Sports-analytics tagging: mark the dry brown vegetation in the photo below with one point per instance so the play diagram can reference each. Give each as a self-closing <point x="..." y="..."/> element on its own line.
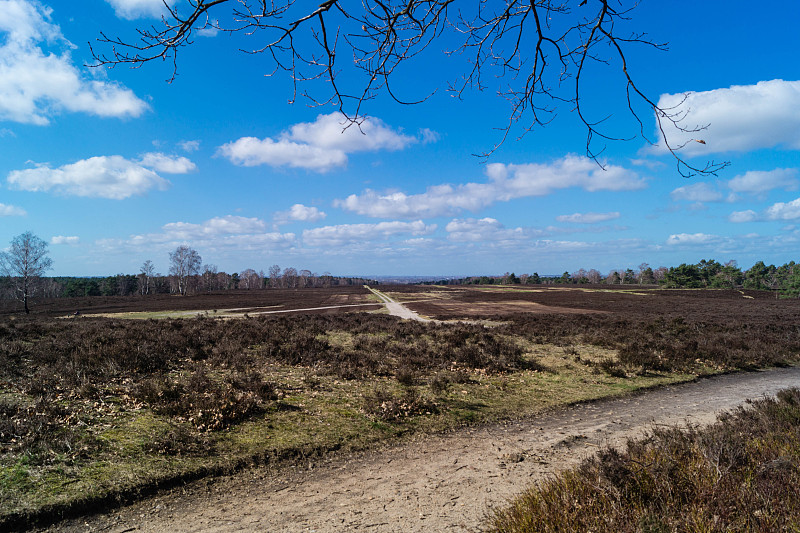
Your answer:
<point x="741" y="474"/>
<point x="96" y="409"/>
<point x="242" y="300"/>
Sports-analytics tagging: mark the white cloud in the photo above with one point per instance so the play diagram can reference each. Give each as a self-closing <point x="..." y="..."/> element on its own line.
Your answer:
<point x="329" y="236"/>
<point x="487" y="230"/>
<point x="250" y="152"/>
<point x="740" y="118"/>
<point x="692" y="239"/>
<point x="506" y="182"/>
<point x="698" y="192"/>
<point x="35" y="85"/>
<point x="320" y="146"/>
<point x="212" y="228"/>
<point x="208" y="31"/>
<point x="228" y="232"/>
<point x="588" y="218"/>
<point x="11" y="211"/>
<point x="784" y="211"/>
<point x="429" y="136"/>
<point x="189" y="146"/>
<point x="333" y="132"/>
<point x="167" y="163"/>
<point x="743" y="216"/>
<point x="111" y="177"/>
<point x="299" y="213"/>
<point x="133" y="9"/>
<point x="60" y="239"/>
<point x="759" y="181"/>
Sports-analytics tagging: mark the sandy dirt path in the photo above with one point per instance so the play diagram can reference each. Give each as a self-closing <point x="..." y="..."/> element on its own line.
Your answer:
<point x="435" y="483"/>
<point x="395" y="308"/>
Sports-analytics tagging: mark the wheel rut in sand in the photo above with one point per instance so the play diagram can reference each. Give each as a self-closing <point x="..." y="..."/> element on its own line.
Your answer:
<point x="435" y="483"/>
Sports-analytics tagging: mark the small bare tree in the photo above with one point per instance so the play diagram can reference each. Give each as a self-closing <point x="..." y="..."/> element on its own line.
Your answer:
<point x="24" y="263"/>
<point x="184" y="264"/>
<point x="542" y="52"/>
<point x="146" y="273"/>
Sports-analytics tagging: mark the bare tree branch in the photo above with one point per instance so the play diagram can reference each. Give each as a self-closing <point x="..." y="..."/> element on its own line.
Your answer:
<point x="540" y="51"/>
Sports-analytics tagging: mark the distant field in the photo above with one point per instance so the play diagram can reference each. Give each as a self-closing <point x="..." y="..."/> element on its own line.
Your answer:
<point x="448" y="302"/>
<point x="241" y="301"/>
<point x="96" y="409"/>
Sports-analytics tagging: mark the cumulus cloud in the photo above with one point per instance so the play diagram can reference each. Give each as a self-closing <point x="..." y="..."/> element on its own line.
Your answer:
<point x="759" y="181"/>
<point x="166" y="163"/>
<point x="319" y="146"/>
<point x="740" y="118"/>
<point x="698" y="192"/>
<point x="692" y="239"/>
<point x="505" y="182"/>
<point x="329" y="236"/>
<point x="227" y="225"/>
<point x="743" y="216"/>
<point x="218" y="233"/>
<point x="11" y="211"/>
<point x="133" y="9"/>
<point x="250" y="152"/>
<point x="784" y="211"/>
<point x="35" y="85"/>
<point x="60" y="239"/>
<point x="299" y="213"/>
<point x="487" y="230"/>
<point x="588" y="218"/>
<point x="111" y="177"/>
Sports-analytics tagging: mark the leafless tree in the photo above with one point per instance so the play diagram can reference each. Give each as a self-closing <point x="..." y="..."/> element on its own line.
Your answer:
<point x="24" y="263"/>
<point x="145" y="277"/>
<point x="289" y="278"/>
<point x="249" y="279"/>
<point x="274" y="274"/>
<point x="209" y="278"/>
<point x="543" y="54"/>
<point x="184" y="264"/>
<point x="594" y="276"/>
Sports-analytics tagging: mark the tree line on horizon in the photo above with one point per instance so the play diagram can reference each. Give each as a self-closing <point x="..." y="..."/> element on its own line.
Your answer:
<point x="22" y="278"/>
<point x="24" y="264"/>
<point x="706" y="274"/>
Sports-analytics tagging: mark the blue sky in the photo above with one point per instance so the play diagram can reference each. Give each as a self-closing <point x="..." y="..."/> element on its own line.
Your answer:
<point x="116" y="166"/>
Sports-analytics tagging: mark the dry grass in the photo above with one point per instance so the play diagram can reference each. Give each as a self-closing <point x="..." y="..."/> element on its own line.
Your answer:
<point x="97" y="410"/>
<point x="741" y="474"/>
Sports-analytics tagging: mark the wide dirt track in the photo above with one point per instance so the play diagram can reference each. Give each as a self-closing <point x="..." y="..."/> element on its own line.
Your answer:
<point x="436" y="483"/>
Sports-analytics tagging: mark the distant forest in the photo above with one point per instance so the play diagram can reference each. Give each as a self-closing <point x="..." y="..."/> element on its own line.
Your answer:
<point x="707" y="274"/>
<point x="208" y="281"/>
<point x="784" y="280"/>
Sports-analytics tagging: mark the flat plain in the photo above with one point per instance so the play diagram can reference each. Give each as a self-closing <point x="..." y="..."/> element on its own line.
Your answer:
<point x="98" y="409"/>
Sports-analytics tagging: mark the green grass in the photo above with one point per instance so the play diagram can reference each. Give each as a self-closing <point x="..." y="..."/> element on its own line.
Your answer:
<point x="135" y="448"/>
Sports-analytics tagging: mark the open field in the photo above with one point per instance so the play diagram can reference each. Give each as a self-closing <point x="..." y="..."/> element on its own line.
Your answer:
<point x="96" y="410"/>
<point x="238" y="301"/>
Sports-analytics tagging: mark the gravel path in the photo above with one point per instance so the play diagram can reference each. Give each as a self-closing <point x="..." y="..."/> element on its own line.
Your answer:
<point x="436" y="483"/>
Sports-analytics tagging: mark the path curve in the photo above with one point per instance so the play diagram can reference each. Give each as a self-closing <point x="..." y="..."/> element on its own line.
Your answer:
<point x="436" y="483"/>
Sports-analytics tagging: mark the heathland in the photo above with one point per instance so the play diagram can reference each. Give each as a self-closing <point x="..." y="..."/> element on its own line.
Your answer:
<point x="97" y="408"/>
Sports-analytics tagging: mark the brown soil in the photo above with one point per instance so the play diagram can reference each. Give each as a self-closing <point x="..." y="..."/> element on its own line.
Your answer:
<point x="436" y="483"/>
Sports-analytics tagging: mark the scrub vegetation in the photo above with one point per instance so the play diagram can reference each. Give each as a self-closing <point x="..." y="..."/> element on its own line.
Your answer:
<point x="97" y="410"/>
<point x="740" y="474"/>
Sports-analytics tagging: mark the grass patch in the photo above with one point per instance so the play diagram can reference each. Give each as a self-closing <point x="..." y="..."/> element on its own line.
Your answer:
<point x="209" y="396"/>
